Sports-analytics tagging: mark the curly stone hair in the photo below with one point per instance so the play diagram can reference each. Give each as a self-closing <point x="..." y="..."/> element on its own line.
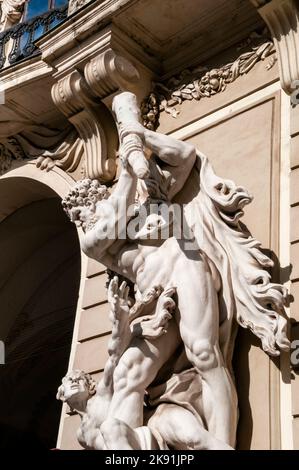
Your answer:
<point x="84" y="194"/>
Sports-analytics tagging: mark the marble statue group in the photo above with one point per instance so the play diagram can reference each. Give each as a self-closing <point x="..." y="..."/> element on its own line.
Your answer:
<point x="186" y="273"/>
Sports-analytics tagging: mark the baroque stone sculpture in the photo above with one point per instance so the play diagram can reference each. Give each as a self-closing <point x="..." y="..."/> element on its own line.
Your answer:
<point x="171" y="227"/>
<point x="11" y="13"/>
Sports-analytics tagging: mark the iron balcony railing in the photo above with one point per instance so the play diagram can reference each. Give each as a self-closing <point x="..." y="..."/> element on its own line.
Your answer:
<point x="18" y="42"/>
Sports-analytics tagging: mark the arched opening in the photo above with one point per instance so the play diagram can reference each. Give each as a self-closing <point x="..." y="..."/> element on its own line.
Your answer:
<point x="39" y="286"/>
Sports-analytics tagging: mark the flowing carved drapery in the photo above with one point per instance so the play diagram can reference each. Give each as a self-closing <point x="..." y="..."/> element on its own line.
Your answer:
<point x="10" y="151"/>
<point x="50" y="147"/>
<point x="91" y="139"/>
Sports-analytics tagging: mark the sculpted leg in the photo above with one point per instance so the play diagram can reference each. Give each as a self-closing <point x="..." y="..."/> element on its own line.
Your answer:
<point x="218" y="391"/>
<point x="199" y="326"/>
<point x="137" y="368"/>
<point x="181" y="430"/>
<point x="118" y="435"/>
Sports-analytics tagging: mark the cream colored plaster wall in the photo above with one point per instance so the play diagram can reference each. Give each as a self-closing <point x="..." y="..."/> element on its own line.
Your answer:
<point x="294" y="239"/>
<point x="240" y="131"/>
<point x="241" y="140"/>
<point x="90" y="342"/>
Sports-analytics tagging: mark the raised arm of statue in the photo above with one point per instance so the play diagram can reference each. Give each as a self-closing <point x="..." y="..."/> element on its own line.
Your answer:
<point x="173" y="154"/>
<point x="111" y="213"/>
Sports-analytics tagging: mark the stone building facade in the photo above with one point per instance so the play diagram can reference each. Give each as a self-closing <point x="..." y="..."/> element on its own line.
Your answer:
<point x="222" y="75"/>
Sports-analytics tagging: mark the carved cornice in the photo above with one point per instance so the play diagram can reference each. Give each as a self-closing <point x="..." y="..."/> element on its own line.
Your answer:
<point x="199" y="83"/>
<point x="73" y="97"/>
<point x="282" y="19"/>
<point x="78" y="97"/>
<point x="109" y="72"/>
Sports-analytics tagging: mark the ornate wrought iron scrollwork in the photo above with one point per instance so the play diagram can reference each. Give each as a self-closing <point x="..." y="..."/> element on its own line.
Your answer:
<point x="24" y="35"/>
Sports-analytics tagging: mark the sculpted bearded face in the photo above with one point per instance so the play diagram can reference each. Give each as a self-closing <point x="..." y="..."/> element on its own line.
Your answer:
<point x="77" y="387"/>
<point x="80" y="202"/>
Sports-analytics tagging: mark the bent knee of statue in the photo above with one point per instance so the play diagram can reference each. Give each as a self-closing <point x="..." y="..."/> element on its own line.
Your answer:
<point x="202" y="354"/>
<point x="110" y="430"/>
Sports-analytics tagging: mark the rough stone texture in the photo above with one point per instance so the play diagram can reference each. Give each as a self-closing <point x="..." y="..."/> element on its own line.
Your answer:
<point x="75" y="5"/>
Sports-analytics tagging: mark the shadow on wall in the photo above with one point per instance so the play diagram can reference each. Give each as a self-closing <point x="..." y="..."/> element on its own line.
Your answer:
<point x="245" y="341"/>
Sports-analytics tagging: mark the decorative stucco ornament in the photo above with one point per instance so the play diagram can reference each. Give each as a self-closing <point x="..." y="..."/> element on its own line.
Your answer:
<point x="62" y="148"/>
<point x="75" y="5"/>
<point x="198" y="273"/>
<point x="11" y="12"/>
<point x="200" y="83"/>
<point x="10" y="151"/>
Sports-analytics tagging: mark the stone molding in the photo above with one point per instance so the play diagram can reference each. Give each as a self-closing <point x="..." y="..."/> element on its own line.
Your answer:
<point x="200" y="83"/>
<point x="109" y="72"/>
<point x="282" y="19"/>
<point x="79" y="97"/>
